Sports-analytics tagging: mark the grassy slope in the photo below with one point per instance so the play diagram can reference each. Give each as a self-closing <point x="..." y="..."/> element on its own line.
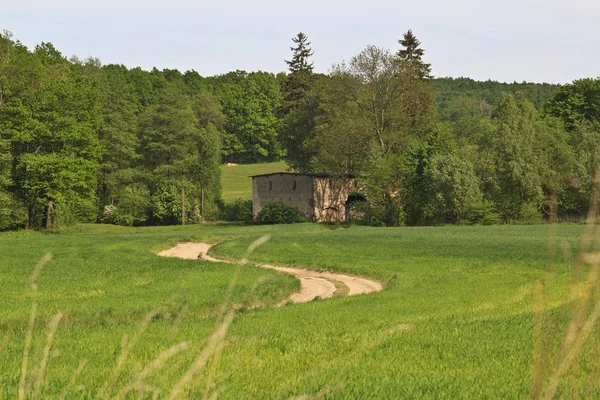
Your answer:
<point x="235" y="182"/>
<point x="455" y="319"/>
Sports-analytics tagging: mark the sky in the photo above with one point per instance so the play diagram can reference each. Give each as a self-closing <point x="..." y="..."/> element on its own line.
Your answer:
<point x="554" y="41"/>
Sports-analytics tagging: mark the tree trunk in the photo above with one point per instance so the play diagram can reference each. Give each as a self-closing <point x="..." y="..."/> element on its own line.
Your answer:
<point x="49" y="214"/>
<point x="202" y="204"/>
<point x="182" y="203"/>
<point x="30" y="215"/>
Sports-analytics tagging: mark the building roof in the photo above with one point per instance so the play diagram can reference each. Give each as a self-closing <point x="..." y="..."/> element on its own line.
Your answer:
<point x="313" y="175"/>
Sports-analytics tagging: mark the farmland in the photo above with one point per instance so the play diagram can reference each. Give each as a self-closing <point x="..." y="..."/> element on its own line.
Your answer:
<point x="461" y="314"/>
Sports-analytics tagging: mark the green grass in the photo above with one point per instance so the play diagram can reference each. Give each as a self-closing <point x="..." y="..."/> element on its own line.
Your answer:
<point x="455" y="319"/>
<point x="235" y="181"/>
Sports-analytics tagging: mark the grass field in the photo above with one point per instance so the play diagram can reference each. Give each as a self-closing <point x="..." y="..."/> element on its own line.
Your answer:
<point x="457" y="318"/>
<point x="235" y="181"/>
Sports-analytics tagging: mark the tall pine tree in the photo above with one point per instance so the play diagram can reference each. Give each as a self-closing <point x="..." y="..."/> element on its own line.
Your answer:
<point x="298" y="109"/>
<point x="299" y="80"/>
<point x="412" y="54"/>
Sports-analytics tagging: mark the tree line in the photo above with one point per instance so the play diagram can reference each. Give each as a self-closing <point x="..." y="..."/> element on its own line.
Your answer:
<point x="433" y="151"/>
<point x="82" y="141"/>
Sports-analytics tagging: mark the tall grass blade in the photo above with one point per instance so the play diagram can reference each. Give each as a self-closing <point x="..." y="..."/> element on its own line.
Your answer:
<point x="128" y="345"/>
<point x="52" y="327"/>
<point x="73" y="379"/>
<point x="226" y="313"/>
<point x="29" y="334"/>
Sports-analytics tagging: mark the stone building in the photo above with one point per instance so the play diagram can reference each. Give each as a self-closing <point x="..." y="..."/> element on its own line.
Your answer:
<point x="320" y="197"/>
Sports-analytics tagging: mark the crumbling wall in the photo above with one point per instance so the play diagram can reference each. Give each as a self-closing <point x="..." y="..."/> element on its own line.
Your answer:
<point x="293" y="190"/>
<point x="330" y="196"/>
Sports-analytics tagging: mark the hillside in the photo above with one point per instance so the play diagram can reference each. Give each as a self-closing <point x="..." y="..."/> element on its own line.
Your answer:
<point x="235" y="181"/>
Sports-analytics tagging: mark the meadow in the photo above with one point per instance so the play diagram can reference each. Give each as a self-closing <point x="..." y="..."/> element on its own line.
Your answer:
<point x="466" y="312"/>
<point x="235" y="181"/>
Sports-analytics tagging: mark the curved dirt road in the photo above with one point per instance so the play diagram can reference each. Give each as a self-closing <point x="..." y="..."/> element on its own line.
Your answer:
<point x="313" y="284"/>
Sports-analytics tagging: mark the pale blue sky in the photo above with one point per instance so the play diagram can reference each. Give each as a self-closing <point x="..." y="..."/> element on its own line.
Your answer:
<point x="534" y="40"/>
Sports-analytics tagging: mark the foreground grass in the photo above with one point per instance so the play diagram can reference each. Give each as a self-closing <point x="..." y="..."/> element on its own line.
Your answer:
<point x="235" y="181"/>
<point x="456" y="318"/>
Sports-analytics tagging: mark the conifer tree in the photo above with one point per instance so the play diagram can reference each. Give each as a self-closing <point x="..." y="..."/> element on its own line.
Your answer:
<point x="298" y="81"/>
<point x="297" y="109"/>
<point x="413" y="55"/>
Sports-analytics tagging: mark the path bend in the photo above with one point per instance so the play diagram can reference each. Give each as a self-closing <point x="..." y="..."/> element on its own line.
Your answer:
<point x="313" y="284"/>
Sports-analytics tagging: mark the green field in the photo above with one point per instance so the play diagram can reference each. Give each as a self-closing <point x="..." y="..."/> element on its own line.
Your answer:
<point x="235" y="181"/>
<point x="455" y="320"/>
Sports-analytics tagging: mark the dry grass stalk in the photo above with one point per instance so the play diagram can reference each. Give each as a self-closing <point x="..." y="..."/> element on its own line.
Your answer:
<point x="582" y="320"/>
<point x="4" y="343"/>
<point x="573" y="353"/>
<point x="200" y="361"/>
<point x="179" y="318"/>
<point x="540" y="355"/>
<point x="74" y="377"/>
<point x="210" y="380"/>
<point x="127" y="346"/>
<point x="37" y="270"/>
<point x="39" y="382"/>
<point x="154" y="365"/>
<point x="25" y="358"/>
<point x="29" y="334"/>
<point x="216" y="340"/>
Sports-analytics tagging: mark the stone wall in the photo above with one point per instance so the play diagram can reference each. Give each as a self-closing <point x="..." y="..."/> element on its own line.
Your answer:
<point x="330" y="196"/>
<point x="291" y="189"/>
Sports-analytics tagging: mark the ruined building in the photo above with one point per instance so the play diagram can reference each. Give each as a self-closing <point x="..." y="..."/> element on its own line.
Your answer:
<point x="320" y="197"/>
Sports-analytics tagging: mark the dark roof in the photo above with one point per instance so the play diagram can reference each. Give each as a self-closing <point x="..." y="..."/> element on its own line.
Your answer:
<point x="314" y="175"/>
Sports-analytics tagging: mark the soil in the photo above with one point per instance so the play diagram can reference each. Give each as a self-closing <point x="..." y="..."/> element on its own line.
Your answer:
<point x="313" y="284"/>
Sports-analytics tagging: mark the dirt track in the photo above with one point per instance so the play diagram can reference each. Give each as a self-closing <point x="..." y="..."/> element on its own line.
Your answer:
<point x="313" y="284"/>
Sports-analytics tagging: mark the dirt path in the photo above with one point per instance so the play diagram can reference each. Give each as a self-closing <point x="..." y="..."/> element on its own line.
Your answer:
<point x="313" y="284"/>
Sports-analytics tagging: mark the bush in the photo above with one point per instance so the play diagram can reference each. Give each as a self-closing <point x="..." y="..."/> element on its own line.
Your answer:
<point x="280" y="213"/>
<point x="238" y="210"/>
<point x="132" y="208"/>
<point x="530" y="213"/>
<point x="166" y="206"/>
<point x="382" y="211"/>
<point x="483" y="213"/>
<point x="12" y="214"/>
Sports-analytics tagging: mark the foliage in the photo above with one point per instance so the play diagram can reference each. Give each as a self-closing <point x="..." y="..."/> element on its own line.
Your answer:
<point x="12" y="215"/>
<point x="166" y="205"/>
<point x="375" y="109"/>
<point x="133" y="208"/>
<point x="483" y="213"/>
<point x="300" y="78"/>
<point x="577" y="102"/>
<point x="487" y="94"/>
<point x="51" y="123"/>
<point x="412" y="54"/>
<point x="249" y="102"/>
<point x="77" y="136"/>
<point x="300" y="106"/>
<point x="456" y="186"/>
<point x="238" y="210"/>
<point x="280" y="213"/>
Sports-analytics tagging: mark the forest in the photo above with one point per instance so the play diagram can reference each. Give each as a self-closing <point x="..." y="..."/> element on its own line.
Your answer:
<point x="85" y="142"/>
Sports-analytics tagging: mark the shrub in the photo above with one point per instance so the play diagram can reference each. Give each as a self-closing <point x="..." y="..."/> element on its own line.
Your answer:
<point x="12" y="214"/>
<point x="530" y="213"/>
<point x="483" y="213"/>
<point x="378" y="211"/>
<point x="236" y="210"/>
<point x="166" y="206"/>
<point x="280" y="213"/>
<point x="132" y="208"/>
